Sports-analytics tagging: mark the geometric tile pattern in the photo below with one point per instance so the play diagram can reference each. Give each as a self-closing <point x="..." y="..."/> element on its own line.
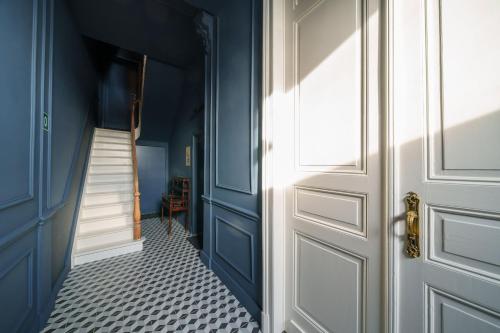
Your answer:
<point x="164" y="288"/>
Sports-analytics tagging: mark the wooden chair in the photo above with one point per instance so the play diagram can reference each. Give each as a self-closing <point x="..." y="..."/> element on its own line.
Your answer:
<point x="177" y="201"/>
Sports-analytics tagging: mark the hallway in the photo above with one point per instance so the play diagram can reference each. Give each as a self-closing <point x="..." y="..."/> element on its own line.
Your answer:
<point x="164" y="288"/>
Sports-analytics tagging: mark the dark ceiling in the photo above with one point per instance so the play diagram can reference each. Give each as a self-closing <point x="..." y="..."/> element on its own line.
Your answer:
<point x="162" y="29"/>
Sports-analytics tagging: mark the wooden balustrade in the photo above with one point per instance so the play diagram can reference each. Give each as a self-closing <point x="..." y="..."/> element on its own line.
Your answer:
<point x="137" y="194"/>
<point x="136" y="109"/>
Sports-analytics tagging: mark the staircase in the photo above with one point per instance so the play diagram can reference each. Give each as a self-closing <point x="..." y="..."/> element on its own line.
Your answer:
<point x="105" y="222"/>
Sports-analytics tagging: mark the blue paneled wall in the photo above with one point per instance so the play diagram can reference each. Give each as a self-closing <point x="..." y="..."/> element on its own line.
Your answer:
<point x="232" y="220"/>
<point x="45" y="68"/>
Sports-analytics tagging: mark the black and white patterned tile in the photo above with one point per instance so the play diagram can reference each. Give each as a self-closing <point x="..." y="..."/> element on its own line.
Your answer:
<point x="164" y="288"/>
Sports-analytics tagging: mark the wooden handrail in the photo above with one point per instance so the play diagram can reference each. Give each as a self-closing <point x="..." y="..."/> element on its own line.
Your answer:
<point x="140" y="90"/>
<point x="137" y="194"/>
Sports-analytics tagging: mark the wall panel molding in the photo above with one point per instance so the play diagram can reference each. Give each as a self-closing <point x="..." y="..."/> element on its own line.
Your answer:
<point x="253" y="115"/>
<point x="17" y="276"/>
<point x="249" y="215"/>
<point x="29" y="191"/>
<point x="219" y="251"/>
<point x="232" y="197"/>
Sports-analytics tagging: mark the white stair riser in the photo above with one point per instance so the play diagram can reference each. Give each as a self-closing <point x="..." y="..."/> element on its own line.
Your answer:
<point x="105" y="238"/>
<point x="110" y="169"/>
<point x="102" y="225"/>
<point x="105" y="188"/>
<point x="110" y="139"/>
<point x="117" y="146"/>
<point x="111" y="153"/>
<point x="108" y="198"/>
<point x="97" y="160"/>
<point x="100" y="211"/>
<point x="110" y="133"/>
<point x="124" y="178"/>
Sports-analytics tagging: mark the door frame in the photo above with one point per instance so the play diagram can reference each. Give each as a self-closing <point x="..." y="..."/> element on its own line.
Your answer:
<point x="273" y="198"/>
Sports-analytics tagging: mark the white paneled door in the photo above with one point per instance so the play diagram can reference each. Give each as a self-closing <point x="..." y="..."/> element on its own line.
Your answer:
<point x="334" y="260"/>
<point x="447" y="139"/>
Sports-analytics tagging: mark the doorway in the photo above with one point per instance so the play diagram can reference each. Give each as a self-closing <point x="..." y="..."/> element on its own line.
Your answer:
<point x="197" y="177"/>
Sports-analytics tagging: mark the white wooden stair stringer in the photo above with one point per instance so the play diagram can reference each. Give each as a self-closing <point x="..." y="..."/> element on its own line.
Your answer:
<point x="105" y="222"/>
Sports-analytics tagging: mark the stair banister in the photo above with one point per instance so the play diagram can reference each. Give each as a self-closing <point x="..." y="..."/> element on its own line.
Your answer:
<point x="137" y="194"/>
<point x="142" y="78"/>
<point x="135" y="132"/>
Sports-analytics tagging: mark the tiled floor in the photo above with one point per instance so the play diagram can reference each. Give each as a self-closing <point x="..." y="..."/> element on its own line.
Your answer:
<point x="164" y="288"/>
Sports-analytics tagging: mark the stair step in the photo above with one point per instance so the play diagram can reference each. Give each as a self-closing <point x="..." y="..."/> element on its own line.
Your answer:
<point x="108" y="161"/>
<point x="112" y="139"/>
<point x="101" y="132"/>
<point x="108" y="251"/>
<point x="111" y="153"/>
<point x="109" y="187"/>
<point x="107" y="198"/>
<point x="95" y="240"/>
<point x="110" y="169"/>
<point x="103" y="224"/>
<point x="114" y="146"/>
<point x="109" y="178"/>
<point x="96" y="211"/>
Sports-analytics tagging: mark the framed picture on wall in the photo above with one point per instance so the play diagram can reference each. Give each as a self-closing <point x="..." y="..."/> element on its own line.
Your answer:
<point x="188" y="155"/>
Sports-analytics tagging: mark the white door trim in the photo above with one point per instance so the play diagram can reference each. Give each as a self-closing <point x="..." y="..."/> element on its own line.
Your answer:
<point x="266" y="176"/>
<point x="390" y="182"/>
<point x="273" y="236"/>
<point x="273" y="214"/>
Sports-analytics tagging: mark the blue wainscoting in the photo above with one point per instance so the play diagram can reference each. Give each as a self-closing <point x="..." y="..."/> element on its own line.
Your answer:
<point x="45" y="69"/>
<point x="232" y="222"/>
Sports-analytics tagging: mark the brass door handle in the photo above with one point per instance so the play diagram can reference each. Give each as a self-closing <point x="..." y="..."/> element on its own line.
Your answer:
<point x="412" y="225"/>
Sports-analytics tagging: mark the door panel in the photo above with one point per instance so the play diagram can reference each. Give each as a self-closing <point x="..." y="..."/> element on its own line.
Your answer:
<point x="328" y="44"/>
<point x="333" y="192"/>
<point x="341" y="272"/>
<point x="462" y="61"/>
<point x="446" y="127"/>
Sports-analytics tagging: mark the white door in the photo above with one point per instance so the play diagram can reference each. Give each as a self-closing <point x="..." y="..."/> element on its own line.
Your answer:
<point x="447" y="137"/>
<point x="333" y="265"/>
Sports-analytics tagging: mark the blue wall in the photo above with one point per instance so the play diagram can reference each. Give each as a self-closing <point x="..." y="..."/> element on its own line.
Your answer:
<point x="188" y="121"/>
<point x="232" y="223"/>
<point x="163" y="91"/>
<point x="152" y="160"/>
<point x="117" y="86"/>
<point x="45" y="67"/>
<point x="163" y="30"/>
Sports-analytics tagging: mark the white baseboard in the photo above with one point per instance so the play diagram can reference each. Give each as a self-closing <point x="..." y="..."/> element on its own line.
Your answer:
<point x="112" y="251"/>
<point x="264" y="323"/>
